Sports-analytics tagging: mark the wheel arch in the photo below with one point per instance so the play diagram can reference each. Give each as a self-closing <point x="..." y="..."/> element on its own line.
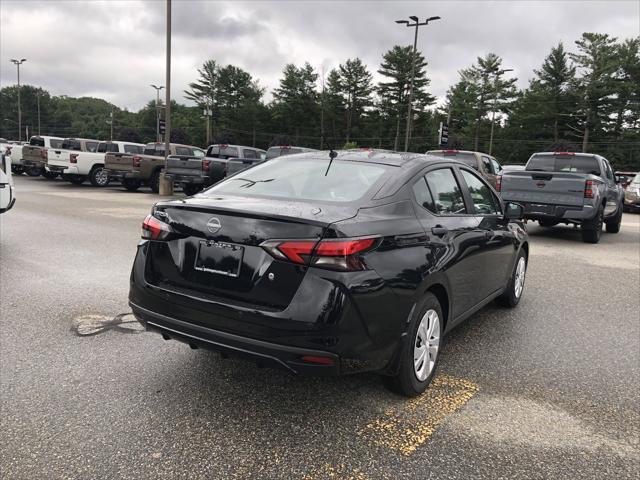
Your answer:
<point x="441" y="293"/>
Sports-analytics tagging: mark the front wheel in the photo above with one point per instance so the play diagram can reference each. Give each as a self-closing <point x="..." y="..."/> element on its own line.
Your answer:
<point x="17" y="169"/>
<point x="419" y="356"/>
<point x="154" y="181"/>
<point x="76" y="179"/>
<point x="99" y="177"/>
<point x="131" y="184"/>
<point x="49" y="175"/>
<point x="34" y="171"/>
<point x="512" y="294"/>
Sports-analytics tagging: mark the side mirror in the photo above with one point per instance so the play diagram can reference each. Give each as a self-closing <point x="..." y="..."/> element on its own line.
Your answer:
<point x="513" y="211"/>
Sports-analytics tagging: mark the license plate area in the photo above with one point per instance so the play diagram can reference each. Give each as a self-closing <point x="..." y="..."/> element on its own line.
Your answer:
<point x="540" y="208"/>
<point x="219" y="258"/>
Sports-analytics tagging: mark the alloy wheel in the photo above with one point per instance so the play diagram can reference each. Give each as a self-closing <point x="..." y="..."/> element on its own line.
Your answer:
<point x="518" y="281"/>
<point x="426" y="345"/>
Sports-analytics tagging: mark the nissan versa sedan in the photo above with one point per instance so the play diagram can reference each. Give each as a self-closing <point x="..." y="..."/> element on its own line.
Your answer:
<point x="331" y="263"/>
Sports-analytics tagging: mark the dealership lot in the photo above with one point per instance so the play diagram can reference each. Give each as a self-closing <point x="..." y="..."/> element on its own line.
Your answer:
<point x="549" y="389"/>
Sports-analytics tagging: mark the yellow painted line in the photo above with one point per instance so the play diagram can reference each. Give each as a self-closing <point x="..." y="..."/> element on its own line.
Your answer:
<point x="406" y="426"/>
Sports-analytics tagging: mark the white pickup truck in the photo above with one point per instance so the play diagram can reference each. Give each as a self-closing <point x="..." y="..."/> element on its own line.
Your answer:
<point x="79" y="159"/>
<point x="7" y="192"/>
<point x="34" y="155"/>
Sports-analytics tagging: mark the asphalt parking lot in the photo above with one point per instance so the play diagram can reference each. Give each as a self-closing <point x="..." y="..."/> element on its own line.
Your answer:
<point x="548" y="390"/>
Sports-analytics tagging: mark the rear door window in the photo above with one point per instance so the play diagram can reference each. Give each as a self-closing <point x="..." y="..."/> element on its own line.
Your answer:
<point x="486" y="163"/>
<point x="247" y="153"/>
<point x="198" y="153"/>
<point x="496" y="166"/>
<point x="92" y="146"/>
<point x="446" y="192"/>
<point x="423" y="195"/>
<point x="56" y="143"/>
<point x="484" y="202"/>
<point x="70" y="144"/>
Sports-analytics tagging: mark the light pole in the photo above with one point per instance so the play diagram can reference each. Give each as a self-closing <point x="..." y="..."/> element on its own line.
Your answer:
<point x="165" y="185"/>
<point x="497" y="73"/>
<point x="17" y="64"/>
<point x="157" y="110"/>
<point x="416" y="24"/>
<point x="38" y="98"/>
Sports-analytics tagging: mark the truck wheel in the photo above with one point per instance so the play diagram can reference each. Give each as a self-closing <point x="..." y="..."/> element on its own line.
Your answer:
<point x="547" y="223"/>
<point x="131" y="184"/>
<point x="419" y="355"/>
<point x="17" y="169"/>
<point x="34" y="171"/>
<point x="592" y="229"/>
<point x="49" y="175"/>
<point x="76" y="179"/>
<point x="613" y="225"/>
<point x="99" y="176"/>
<point x="512" y="294"/>
<point x="191" y="189"/>
<point x="154" y="181"/>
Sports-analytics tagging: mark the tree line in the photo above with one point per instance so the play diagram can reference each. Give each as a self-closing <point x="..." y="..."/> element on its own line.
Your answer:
<point x="586" y="98"/>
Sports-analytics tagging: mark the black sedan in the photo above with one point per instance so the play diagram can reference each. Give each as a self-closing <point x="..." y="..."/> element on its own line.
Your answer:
<point x="323" y="265"/>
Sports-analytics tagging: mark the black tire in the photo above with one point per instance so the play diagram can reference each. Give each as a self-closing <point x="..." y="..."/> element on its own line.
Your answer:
<point x="613" y="225"/>
<point x="154" y="181"/>
<point x="191" y="189"/>
<point x="76" y="179"/>
<point x="592" y="229"/>
<point x="547" y="223"/>
<point x="511" y="296"/>
<point x="99" y="176"/>
<point x="17" y="169"/>
<point x="406" y="381"/>
<point x="34" y="171"/>
<point x="131" y="184"/>
<point x="49" y="175"/>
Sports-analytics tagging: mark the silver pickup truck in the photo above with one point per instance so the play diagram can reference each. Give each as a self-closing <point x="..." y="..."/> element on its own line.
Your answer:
<point x="567" y="187"/>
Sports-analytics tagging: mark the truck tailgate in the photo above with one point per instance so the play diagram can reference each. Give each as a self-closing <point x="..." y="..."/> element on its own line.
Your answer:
<point x="556" y="188"/>
<point x="58" y="158"/>
<point x="184" y="165"/>
<point x="118" y="161"/>
<point x="238" y="164"/>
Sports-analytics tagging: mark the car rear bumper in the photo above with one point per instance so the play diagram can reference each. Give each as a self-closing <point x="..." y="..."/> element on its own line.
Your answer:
<point x="122" y="174"/>
<point x="189" y="179"/>
<point x="33" y="163"/>
<point x="66" y="169"/>
<point x="541" y="211"/>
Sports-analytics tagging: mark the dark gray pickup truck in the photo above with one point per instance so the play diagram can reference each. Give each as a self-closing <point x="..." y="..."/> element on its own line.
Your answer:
<point x="235" y="165"/>
<point x="567" y="187"/>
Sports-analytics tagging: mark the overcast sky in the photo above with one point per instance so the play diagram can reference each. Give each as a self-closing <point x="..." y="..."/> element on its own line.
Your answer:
<point x="115" y="49"/>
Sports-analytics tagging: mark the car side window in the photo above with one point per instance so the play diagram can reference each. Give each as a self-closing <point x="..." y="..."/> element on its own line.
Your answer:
<point x="249" y="153"/>
<point x="486" y="163"/>
<point x="198" y="153"/>
<point x="446" y="192"/>
<point x="497" y="168"/>
<point x="484" y="202"/>
<point x="183" y="151"/>
<point x="91" y="146"/>
<point x="608" y="171"/>
<point x="423" y="195"/>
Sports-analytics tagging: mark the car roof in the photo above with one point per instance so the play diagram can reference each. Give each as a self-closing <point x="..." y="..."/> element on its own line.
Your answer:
<point x="455" y="150"/>
<point x="82" y="139"/>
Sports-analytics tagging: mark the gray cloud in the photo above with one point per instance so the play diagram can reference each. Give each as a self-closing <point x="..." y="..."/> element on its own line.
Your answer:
<point x="115" y="49"/>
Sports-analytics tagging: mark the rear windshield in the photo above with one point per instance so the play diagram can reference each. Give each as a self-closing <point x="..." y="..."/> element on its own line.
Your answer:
<point x="217" y="151"/>
<point x="304" y="179"/>
<point x="107" y="147"/>
<point x="564" y="163"/>
<point x="466" y="158"/>
<point x="70" y="144"/>
<point x="275" y="152"/>
<point x="56" y="143"/>
<point x="36" y="141"/>
<point x="133" y="148"/>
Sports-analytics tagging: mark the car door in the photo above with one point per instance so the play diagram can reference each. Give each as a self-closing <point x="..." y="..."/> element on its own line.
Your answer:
<point x="454" y="244"/>
<point x="498" y="249"/>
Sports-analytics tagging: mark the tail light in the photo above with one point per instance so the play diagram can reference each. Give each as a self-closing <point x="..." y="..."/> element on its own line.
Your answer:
<point x="135" y="161"/>
<point x="205" y="165"/>
<point x="154" y="229"/>
<point x="342" y="254"/>
<point x="73" y="158"/>
<point x="44" y="154"/>
<point x="498" y="183"/>
<point x="318" y="360"/>
<point x="588" y="188"/>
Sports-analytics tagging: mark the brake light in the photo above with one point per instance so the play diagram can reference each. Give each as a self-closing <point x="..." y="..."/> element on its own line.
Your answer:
<point x="498" y="183"/>
<point x="135" y="161"/>
<point x="589" y="186"/>
<point x="154" y="229"/>
<point x="451" y="151"/>
<point x="564" y="153"/>
<point x="340" y="254"/>
<point x="73" y="158"/>
<point x="318" y="360"/>
<point x="44" y="154"/>
<point x="205" y="165"/>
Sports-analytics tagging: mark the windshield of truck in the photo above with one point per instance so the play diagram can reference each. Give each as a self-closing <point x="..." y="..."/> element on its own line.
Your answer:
<point x="574" y="163"/>
<point x="36" y="141"/>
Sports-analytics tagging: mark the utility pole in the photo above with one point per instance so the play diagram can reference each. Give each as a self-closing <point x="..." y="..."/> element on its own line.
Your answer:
<point x="158" y="139"/>
<point x="416" y="25"/>
<point x="38" y="97"/>
<point x="495" y="102"/>
<point x="17" y="63"/>
<point x="208" y="113"/>
<point x="322" y="112"/>
<point x="111" y="123"/>
<point x="166" y="183"/>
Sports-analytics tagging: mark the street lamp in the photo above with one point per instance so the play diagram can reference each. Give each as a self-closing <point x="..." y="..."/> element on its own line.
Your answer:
<point x="497" y="73"/>
<point x="416" y="24"/>
<point x="17" y="63"/>
<point x="157" y="110"/>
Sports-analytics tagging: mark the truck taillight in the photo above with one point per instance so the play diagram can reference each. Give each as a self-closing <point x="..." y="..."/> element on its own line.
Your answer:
<point x="205" y="165"/>
<point x="154" y="229"/>
<point x="135" y="161"/>
<point x="498" y="183"/>
<point x="589" y="186"/>
<point x="44" y="154"/>
<point x="73" y="158"/>
<point x="342" y="254"/>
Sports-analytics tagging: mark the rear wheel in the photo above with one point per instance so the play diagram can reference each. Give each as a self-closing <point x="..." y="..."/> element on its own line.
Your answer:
<point x="99" y="176"/>
<point x="419" y="356"/>
<point x="76" y="179"/>
<point x="49" y="175"/>
<point x="131" y="184"/>
<point x="613" y="225"/>
<point x="592" y="229"/>
<point x="34" y="171"/>
<point x="512" y="294"/>
<point x="154" y="181"/>
<point x="191" y="189"/>
<point x="17" y="169"/>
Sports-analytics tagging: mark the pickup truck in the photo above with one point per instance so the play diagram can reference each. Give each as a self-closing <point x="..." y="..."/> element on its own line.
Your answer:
<point x="567" y="187"/>
<point x="70" y="159"/>
<point x="134" y="170"/>
<point x="34" y="155"/>
<point x="236" y="165"/>
<point x="488" y="167"/>
<point x="197" y="170"/>
<point x="7" y="192"/>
